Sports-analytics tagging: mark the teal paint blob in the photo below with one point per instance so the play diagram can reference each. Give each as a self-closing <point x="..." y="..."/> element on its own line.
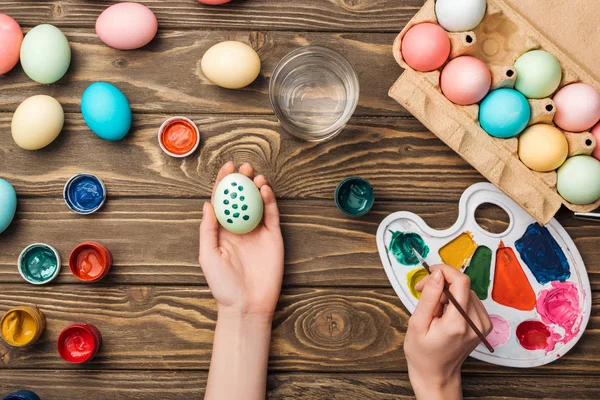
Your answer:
<point x="354" y="196"/>
<point x="39" y="264"/>
<point x="479" y="271"/>
<point x="400" y="247"/>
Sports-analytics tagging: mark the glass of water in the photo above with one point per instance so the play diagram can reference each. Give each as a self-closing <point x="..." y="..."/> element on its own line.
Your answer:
<point x="314" y="92"/>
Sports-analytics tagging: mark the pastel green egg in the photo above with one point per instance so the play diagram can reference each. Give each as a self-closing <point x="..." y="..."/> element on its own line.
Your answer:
<point x="238" y="204"/>
<point x="579" y="180"/>
<point x="45" y="54"/>
<point x="538" y="74"/>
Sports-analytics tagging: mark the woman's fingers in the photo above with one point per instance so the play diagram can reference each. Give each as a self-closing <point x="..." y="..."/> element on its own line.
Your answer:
<point x="260" y="181"/>
<point x="459" y="285"/>
<point x="209" y="233"/>
<point x="226" y="169"/>
<point x="247" y="170"/>
<point x="428" y="304"/>
<point x="271" y="214"/>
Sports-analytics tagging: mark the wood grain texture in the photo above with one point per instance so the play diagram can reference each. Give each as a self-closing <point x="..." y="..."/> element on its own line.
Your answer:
<point x="398" y="156"/>
<point x="166" y="77"/>
<point x="322" y="15"/>
<point x="171" y="327"/>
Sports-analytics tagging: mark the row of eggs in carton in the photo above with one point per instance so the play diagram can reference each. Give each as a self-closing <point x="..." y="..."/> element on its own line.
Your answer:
<point x="505" y="112"/>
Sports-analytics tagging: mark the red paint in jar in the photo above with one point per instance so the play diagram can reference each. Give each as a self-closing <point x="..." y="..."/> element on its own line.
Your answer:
<point x="178" y="136"/>
<point x="79" y="343"/>
<point x="90" y="261"/>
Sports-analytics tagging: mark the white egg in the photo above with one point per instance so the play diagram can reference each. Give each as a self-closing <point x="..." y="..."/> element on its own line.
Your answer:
<point x="37" y="122"/>
<point x="232" y="65"/>
<point x="459" y="15"/>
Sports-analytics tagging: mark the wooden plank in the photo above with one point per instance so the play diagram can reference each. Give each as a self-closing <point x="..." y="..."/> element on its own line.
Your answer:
<point x="173" y="385"/>
<point x="166" y="76"/>
<point x="402" y="160"/>
<point x="171" y="327"/>
<point x="322" y="15"/>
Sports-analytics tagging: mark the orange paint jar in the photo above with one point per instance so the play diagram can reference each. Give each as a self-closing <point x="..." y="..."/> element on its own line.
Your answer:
<point x="90" y="261"/>
<point x="22" y="326"/>
<point x="178" y="137"/>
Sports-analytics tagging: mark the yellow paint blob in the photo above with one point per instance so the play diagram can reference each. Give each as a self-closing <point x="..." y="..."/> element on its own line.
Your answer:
<point x="458" y="252"/>
<point x="18" y="328"/>
<point x="413" y="277"/>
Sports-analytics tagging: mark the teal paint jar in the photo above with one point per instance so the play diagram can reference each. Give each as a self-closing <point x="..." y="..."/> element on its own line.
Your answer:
<point x="39" y="263"/>
<point x="354" y="196"/>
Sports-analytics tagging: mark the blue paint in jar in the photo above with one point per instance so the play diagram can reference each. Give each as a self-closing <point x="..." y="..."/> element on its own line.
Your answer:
<point x="84" y="193"/>
<point x="22" y="395"/>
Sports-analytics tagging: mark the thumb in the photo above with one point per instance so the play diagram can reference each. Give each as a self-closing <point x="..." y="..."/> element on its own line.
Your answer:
<point x="209" y="231"/>
<point x="429" y="301"/>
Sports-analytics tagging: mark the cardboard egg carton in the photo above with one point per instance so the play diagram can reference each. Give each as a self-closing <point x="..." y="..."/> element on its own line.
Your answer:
<point x="498" y="40"/>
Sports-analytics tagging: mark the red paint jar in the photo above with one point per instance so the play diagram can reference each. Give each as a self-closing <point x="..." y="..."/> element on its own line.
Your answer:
<point x="90" y="261"/>
<point x="178" y="137"/>
<point x="78" y="343"/>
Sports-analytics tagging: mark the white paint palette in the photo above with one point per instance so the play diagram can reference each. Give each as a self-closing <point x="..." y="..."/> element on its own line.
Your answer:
<point x="570" y="292"/>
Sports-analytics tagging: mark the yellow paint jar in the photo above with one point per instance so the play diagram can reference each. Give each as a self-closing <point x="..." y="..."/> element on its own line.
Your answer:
<point x="22" y="326"/>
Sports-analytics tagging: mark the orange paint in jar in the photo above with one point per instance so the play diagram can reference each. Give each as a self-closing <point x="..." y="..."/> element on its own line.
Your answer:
<point x="90" y="261"/>
<point x="22" y="326"/>
<point x="178" y="137"/>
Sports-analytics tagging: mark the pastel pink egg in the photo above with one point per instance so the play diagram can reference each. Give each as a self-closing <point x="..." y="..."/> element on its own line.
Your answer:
<point x="11" y="37"/>
<point x="425" y="47"/>
<point x="596" y="133"/>
<point x="577" y="107"/>
<point x="465" y="80"/>
<point x="214" y="2"/>
<point x="126" y="26"/>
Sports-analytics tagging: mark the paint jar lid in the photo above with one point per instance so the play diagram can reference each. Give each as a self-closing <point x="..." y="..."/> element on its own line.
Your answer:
<point x="39" y="263"/>
<point x="354" y="196"/>
<point x="78" y="343"/>
<point x="84" y="193"/>
<point x="178" y="137"/>
<point x="22" y="395"/>
<point x="90" y="261"/>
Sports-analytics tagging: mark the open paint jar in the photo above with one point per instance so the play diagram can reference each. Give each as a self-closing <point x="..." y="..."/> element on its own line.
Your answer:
<point x="90" y="261"/>
<point x="39" y="263"/>
<point x="178" y="137"/>
<point x="22" y="395"/>
<point x="84" y="193"/>
<point x="354" y="196"/>
<point x="79" y="343"/>
<point x="22" y="326"/>
<point x="314" y="92"/>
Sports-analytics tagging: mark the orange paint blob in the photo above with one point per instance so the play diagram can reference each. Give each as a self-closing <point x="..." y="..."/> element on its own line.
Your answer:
<point x="90" y="261"/>
<point x="179" y="136"/>
<point x="511" y="286"/>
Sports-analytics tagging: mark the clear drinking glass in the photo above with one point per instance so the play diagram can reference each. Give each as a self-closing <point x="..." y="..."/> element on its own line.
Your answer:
<point x="314" y="92"/>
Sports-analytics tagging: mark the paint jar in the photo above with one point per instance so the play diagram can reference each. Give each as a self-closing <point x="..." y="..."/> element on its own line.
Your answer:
<point x="22" y="395"/>
<point x="84" y="193"/>
<point x="90" y="261"/>
<point x="39" y="263"/>
<point x="78" y="343"/>
<point x="22" y="326"/>
<point x="354" y="196"/>
<point x="314" y="92"/>
<point x="178" y="137"/>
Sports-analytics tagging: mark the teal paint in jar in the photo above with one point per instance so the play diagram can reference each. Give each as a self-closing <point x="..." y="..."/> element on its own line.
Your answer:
<point x="39" y="263"/>
<point x="354" y="196"/>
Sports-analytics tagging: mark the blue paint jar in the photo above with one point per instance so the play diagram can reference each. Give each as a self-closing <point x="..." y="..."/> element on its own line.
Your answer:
<point x="504" y="113"/>
<point x="354" y="196"/>
<point x="84" y="193"/>
<point x="22" y="395"/>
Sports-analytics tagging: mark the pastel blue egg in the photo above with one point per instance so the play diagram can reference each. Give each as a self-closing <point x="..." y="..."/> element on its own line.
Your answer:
<point x="8" y="204"/>
<point x="504" y="113"/>
<point x="106" y="111"/>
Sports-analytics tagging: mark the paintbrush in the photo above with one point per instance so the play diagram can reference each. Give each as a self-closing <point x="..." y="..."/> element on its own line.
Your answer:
<point x="593" y="216"/>
<point x="455" y="304"/>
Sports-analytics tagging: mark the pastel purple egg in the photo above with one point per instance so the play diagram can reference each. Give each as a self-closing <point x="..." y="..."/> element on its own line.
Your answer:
<point x="577" y="107"/>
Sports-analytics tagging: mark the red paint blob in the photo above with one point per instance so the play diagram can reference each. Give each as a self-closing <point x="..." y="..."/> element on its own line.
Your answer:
<point x="179" y="136"/>
<point x="511" y="286"/>
<point x="533" y="335"/>
<point x="78" y="343"/>
<point x="90" y="261"/>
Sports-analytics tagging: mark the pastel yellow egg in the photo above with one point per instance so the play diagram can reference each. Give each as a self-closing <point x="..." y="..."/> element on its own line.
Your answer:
<point x="37" y="122"/>
<point x="543" y="148"/>
<point x="232" y="65"/>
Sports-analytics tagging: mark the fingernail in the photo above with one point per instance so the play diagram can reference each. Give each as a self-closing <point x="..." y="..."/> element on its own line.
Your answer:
<point x="204" y="207"/>
<point x="437" y="277"/>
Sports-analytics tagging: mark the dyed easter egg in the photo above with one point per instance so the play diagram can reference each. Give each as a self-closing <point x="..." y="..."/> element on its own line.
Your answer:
<point x="39" y="263"/>
<point x="45" y="54"/>
<point x="8" y="204"/>
<point x="238" y="204"/>
<point x="232" y="65"/>
<point x="579" y="180"/>
<point x="106" y="111"/>
<point x="465" y="80"/>
<point x="459" y="15"/>
<point x="37" y="122"/>
<point x="538" y="74"/>
<point x="214" y="2"/>
<point x="11" y="38"/>
<point x="504" y="113"/>
<point x="425" y="47"/>
<point x="543" y="148"/>
<point x="126" y="26"/>
<point x="577" y="107"/>
<point x="596" y="133"/>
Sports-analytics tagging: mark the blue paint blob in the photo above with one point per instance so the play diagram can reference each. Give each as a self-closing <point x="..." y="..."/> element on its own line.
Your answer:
<point x="22" y="395"/>
<point x="542" y="254"/>
<point x="84" y="193"/>
<point x="504" y="113"/>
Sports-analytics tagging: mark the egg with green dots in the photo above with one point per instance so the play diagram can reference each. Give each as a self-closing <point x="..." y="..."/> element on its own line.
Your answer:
<point x="238" y="204"/>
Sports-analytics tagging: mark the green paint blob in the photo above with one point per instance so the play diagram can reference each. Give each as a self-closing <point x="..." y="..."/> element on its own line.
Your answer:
<point x="236" y="215"/>
<point x="246" y="217"/>
<point x="39" y="264"/>
<point x="233" y="195"/>
<point x="400" y="247"/>
<point x="235" y="206"/>
<point x="241" y="188"/>
<point x="226" y="191"/>
<point x="229" y="220"/>
<point x="227" y="212"/>
<point x="479" y="271"/>
<point x="244" y="207"/>
<point x="226" y="202"/>
<point x="233" y="183"/>
<point x="242" y="198"/>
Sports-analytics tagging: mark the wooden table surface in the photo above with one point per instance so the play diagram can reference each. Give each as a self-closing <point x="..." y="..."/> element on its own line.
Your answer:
<point x="339" y="328"/>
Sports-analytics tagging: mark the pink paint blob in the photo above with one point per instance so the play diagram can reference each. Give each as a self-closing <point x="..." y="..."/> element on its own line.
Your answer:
<point x="577" y="107"/>
<point x="500" y="333"/>
<point x="535" y="335"/>
<point x="425" y="47"/>
<point x="560" y="306"/>
<point x="596" y="133"/>
<point x="465" y="80"/>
